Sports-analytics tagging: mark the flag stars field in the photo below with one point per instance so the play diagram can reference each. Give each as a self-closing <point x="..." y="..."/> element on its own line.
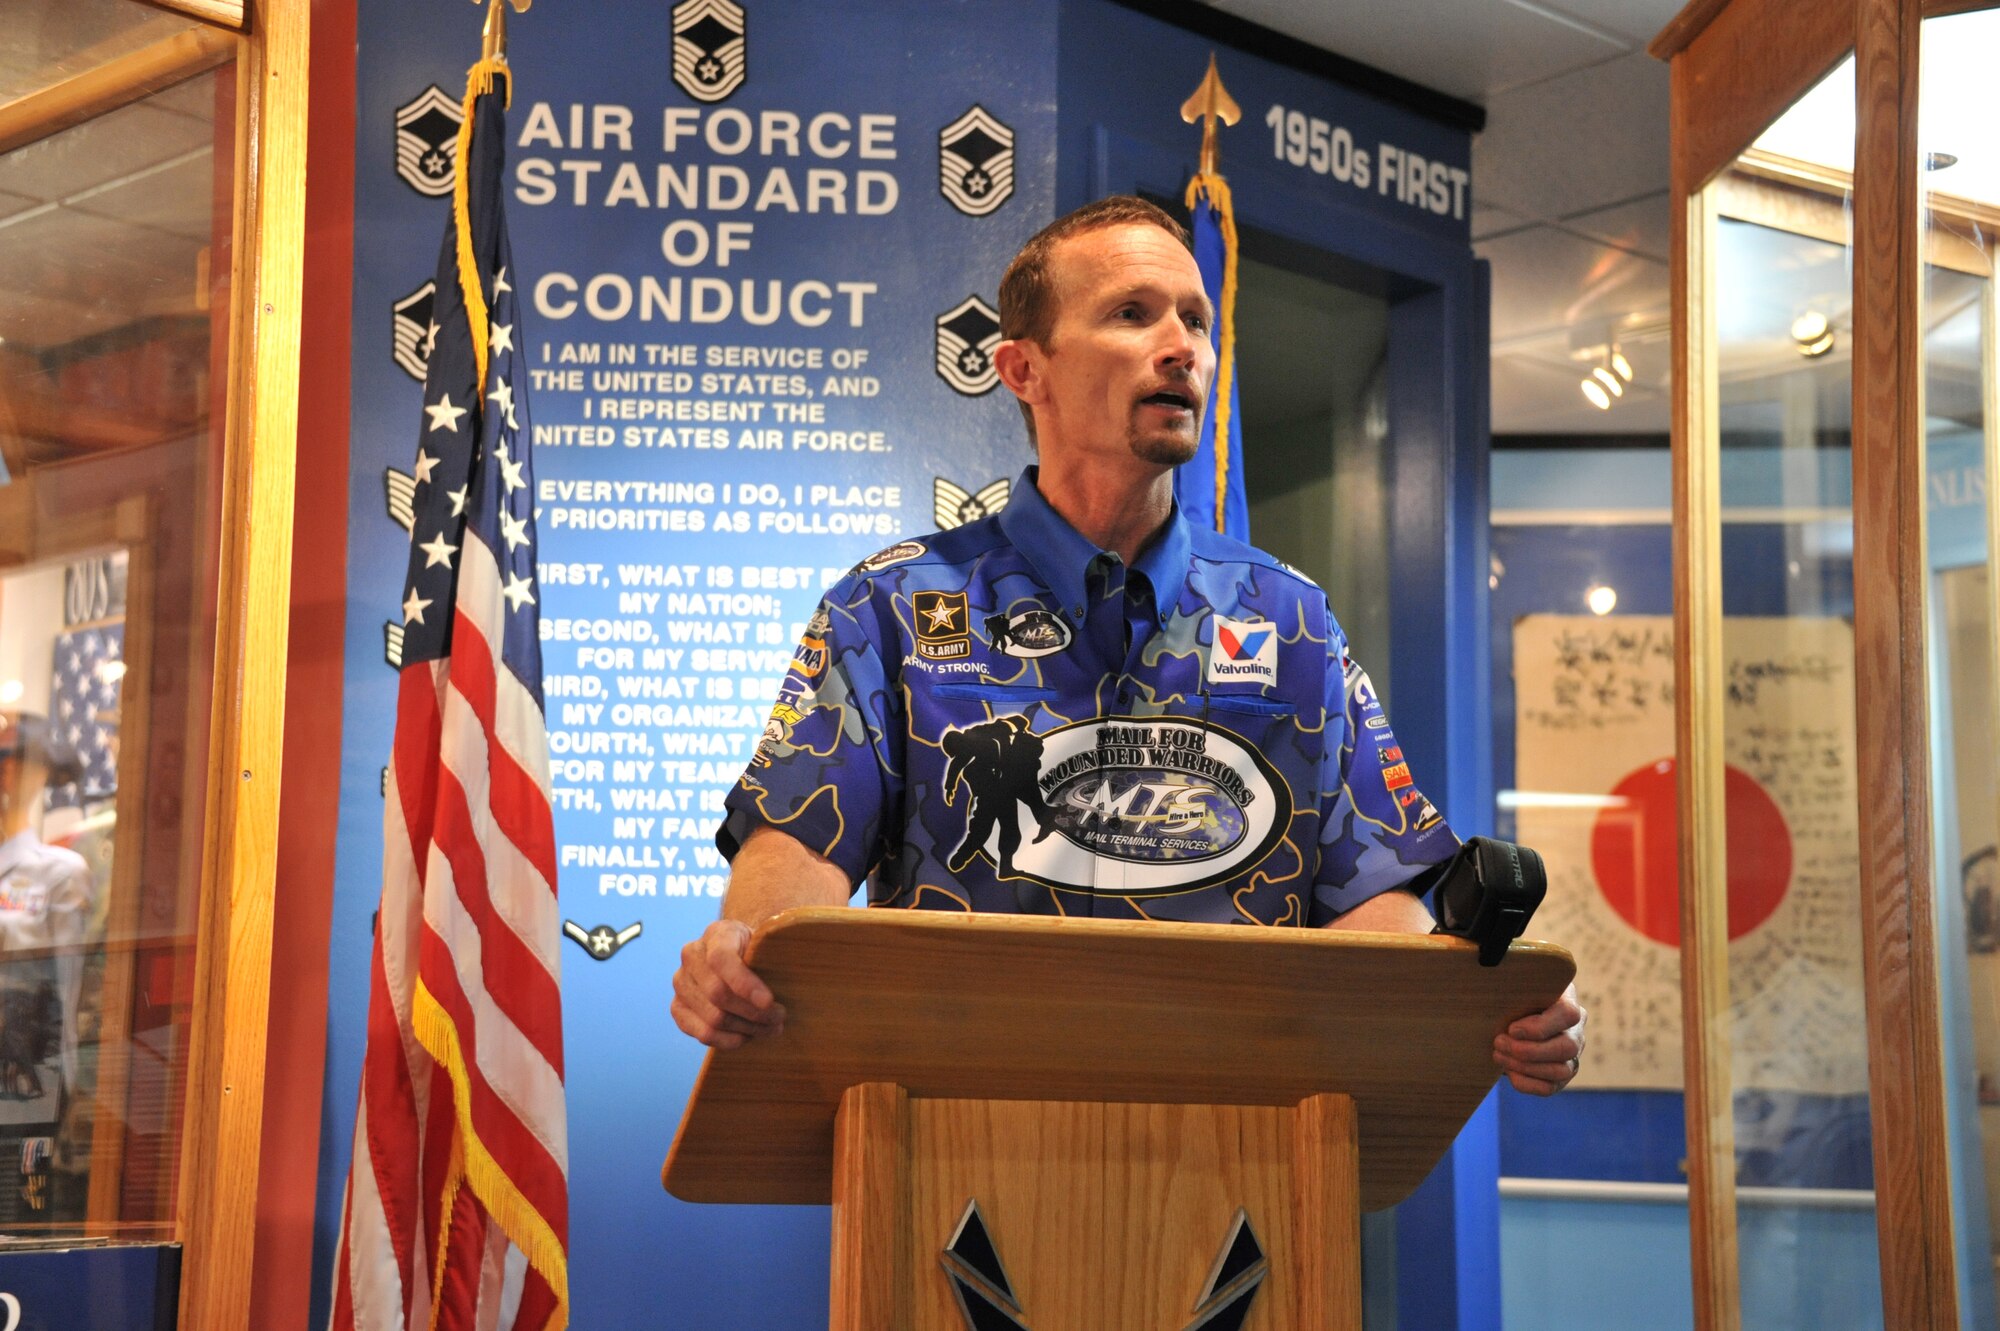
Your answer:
<point x="438" y="551"/>
<point x="443" y="415"/>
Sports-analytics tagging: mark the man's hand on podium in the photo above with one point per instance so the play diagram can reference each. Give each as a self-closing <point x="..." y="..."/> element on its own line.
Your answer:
<point x="717" y="999"/>
<point x="1541" y="1054"/>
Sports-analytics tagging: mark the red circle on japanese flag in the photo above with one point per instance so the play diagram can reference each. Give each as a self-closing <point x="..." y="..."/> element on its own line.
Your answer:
<point x="1635" y="852"/>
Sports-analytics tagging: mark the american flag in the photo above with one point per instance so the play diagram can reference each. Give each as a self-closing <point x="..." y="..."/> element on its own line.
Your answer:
<point x="457" y="1207"/>
<point x="83" y="709"/>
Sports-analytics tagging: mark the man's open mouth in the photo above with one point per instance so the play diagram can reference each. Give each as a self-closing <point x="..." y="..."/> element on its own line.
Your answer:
<point x="1170" y="398"/>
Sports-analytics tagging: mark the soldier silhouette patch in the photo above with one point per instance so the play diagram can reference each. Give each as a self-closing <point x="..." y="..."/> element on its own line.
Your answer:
<point x="1000" y="763"/>
<point x="415" y="333"/>
<point x="966" y="336"/>
<point x="427" y="142"/>
<point x="976" y="162"/>
<point x="710" y="38"/>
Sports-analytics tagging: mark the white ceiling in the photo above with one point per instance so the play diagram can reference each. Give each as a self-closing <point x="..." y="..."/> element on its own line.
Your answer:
<point x="1569" y="179"/>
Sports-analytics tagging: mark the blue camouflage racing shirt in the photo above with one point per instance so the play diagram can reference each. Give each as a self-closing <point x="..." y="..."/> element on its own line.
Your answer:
<point x="1003" y="717"/>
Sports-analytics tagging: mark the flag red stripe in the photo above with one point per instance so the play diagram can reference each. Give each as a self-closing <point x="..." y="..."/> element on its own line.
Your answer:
<point x="515" y="978"/>
<point x="418" y="725"/>
<point x="386" y="1085"/>
<point x="510" y="1141"/>
<point x="538" y="1303"/>
<point x="519" y="805"/>
<point x="343" y="1278"/>
<point x="458" y="1302"/>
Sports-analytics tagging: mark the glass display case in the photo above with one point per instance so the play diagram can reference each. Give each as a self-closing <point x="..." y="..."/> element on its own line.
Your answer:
<point x="1838" y="406"/>
<point x="148" y="368"/>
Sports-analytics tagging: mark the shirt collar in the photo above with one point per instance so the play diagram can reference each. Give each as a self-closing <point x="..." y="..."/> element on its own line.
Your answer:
<point x="1060" y="554"/>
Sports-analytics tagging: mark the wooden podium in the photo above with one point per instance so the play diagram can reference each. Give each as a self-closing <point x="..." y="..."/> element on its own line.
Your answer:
<point x="1091" y="1125"/>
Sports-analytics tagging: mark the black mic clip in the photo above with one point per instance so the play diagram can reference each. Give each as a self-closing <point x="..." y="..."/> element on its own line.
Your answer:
<point x="1488" y="892"/>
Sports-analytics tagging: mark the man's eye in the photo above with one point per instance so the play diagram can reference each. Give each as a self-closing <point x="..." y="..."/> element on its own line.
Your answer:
<point x="1198" y="322"/>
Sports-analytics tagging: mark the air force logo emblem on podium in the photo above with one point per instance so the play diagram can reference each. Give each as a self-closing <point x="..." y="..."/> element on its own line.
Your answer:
<point x="708" y="48"/>
<point x="966" y="336"/>
<point x="427" y="141"/>
<point x="976" y="163"/>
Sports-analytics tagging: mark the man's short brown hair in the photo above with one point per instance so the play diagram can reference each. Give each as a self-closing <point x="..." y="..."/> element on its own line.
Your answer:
<point x="1027" y="290"/>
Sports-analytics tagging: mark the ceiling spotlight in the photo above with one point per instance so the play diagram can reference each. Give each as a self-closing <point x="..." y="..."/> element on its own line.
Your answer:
<point x="1813" y="334"/>
<point x="1612" y="383"/>
<point x="11" y="691"/>
<point x="1939" y="161"/>
<point x="1602" y="600"/>
<point x="1621" y="366"/>
<point x="1595" y="392"/>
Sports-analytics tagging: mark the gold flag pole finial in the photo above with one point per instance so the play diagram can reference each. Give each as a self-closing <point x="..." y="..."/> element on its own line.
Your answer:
<point x="493" y="37"/>
<point x="1211" y="101"/>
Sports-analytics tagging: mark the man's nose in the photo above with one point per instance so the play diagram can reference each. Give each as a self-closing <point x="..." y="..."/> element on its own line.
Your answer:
<point x="1181" y="345"/>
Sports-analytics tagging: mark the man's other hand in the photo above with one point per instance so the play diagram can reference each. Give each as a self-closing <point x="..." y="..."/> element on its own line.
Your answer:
<point x="1541" y="1054"/>
<point x="719" y="1000"/>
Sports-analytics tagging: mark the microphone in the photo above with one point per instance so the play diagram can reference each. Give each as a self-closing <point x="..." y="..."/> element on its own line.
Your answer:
<point x="1488" y="892"/>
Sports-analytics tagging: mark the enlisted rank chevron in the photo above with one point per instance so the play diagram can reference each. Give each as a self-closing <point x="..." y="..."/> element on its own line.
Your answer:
<point x="709" y="48"/>
<point x="976" y="163"/>
<point x="966" y="336"/>
<point x="427" y="141"/>
<point x="399" y="488"/>
<point x="415" y="333"/>
<point x="953" y="505"/>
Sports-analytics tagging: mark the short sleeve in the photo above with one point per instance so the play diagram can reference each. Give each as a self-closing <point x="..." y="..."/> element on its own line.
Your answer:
<point x="828" y="769"/>
<point x="1377" y="829"/>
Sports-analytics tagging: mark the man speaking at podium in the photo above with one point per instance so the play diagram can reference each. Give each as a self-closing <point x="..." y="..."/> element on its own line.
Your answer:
<point x="1085" y="705"/>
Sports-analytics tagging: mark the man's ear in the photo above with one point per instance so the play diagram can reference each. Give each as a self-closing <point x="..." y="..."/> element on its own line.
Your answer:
<point x="1019" y="363"/>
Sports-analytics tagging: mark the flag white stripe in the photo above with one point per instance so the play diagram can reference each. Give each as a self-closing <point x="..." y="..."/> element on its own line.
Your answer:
<point x="374" y="1281"/>
<point x="518" y="893"/>
<point x="513" y="1068"/>
<point x="401" y="936"/>
<point x="518" y="723"/>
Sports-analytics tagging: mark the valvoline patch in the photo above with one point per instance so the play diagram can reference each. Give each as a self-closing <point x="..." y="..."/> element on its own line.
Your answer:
<point x="1243" y="652"/>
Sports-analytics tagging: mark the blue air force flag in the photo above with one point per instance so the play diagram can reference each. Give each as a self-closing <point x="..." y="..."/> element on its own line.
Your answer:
<point x="1210" y="487"/>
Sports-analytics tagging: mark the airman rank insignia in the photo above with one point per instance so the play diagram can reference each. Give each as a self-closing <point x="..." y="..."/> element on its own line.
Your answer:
<point x="603" y="942"/>
<point x="954" y="506"/>
<point x="943" y="630"/>
<point x="416" y="334"/>
<point x="966" y="336"/>
<point x="976" y="163"/>
<point x="709" y="48"/>
<point x="427" y="142"/>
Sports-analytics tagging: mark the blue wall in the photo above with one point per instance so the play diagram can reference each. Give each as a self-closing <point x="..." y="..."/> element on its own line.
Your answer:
<point x="638" y="1257"/>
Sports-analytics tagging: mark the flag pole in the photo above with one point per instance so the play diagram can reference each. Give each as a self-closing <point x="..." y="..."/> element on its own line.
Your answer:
<point x="493" y="37"/>
<point x="1211" y="102"/>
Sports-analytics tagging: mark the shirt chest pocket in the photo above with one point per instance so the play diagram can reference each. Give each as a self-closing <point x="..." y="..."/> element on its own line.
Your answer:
<point x="1013" y="696"/>
<point x="1244" y="704"/>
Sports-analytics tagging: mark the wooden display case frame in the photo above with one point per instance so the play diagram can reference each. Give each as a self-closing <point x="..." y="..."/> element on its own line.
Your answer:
<point x="267" y="40"/>
<point x="1736" y="65"/>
